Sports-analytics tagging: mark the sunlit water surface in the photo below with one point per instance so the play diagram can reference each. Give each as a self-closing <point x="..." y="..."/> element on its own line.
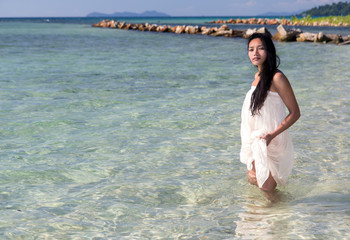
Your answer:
<point x="135" y="135"/>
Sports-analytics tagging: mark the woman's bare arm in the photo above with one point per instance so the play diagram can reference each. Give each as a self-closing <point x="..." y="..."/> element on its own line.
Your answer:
<point x="281" y="85"/>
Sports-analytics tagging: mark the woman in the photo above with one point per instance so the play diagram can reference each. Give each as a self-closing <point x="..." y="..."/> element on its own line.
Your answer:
<point x="267" y="147"/>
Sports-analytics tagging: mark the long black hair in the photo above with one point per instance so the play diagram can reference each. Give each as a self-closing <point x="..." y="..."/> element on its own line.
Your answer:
<point x="269" y="68"/>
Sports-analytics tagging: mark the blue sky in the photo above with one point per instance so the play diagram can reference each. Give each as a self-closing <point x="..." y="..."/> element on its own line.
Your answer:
<point x="78" y="8"/>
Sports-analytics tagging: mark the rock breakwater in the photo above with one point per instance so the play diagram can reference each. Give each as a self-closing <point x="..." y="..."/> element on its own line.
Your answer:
<point x="224" y="31"/>
<point x="180" y="29"/>
<point x="286" y="22"/>
<point x="287" y="35"/>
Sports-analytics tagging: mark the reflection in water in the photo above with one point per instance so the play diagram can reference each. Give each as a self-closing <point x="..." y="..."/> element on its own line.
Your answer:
<point x="262" y="219"/>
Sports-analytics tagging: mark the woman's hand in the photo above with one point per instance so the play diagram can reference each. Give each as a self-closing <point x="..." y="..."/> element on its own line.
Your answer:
<point x="268" y="137"/>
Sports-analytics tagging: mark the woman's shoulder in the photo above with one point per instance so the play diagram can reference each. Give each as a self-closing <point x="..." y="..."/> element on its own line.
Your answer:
<point x="278" y="75"/>
<point x="279" y="82"/>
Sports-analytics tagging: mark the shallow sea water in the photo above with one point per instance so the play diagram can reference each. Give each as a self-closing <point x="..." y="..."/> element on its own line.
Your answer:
<point x="111" y="134"/>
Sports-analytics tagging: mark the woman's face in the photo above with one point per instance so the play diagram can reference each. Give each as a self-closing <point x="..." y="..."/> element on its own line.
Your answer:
<point x="257" y="52"/>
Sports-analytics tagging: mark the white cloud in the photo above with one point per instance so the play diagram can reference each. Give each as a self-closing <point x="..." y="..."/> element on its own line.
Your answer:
<point x="251" y="3"/>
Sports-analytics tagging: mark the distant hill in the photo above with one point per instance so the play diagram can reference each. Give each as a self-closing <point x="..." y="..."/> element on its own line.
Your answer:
<point x="129" y="14"/>
<point x="336" y="9"/>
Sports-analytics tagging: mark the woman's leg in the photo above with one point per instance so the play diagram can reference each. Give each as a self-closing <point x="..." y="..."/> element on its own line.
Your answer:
<point x="252" y="176"/>
<point x="269" y="185"/>
<point x="269" y="188"/>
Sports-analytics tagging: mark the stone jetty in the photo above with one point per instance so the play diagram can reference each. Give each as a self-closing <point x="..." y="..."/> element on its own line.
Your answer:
<point x="180" y="29"/>
<point x="258" y="21"/>
<point x="285" y="35"/>
<point x="286" y="22"/>
<point x="282" y="35"/>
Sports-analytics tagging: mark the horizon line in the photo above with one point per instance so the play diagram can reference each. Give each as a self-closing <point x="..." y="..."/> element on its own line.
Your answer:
<point x="259" y="15"/>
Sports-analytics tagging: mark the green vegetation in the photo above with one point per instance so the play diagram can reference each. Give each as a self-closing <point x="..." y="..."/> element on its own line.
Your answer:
<point x="336" y="9"/>
<point x="327" y="21"/>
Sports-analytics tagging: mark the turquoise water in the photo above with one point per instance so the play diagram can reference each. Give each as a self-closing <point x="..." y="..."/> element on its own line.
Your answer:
<point x="135" y="135"/>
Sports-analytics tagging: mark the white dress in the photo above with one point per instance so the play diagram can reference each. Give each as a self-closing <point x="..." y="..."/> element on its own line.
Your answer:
<point x="278" y="157"/>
